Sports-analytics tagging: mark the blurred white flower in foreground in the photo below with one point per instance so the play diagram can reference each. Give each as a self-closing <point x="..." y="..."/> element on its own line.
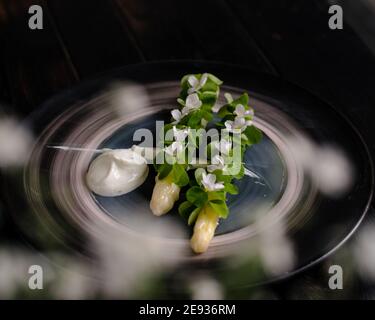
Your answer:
<point x="204" y="287"/>
<point x="333" y="171"/>
<point x="276" y="250"/>
<point x="74" y="279"/>
<point x="15" y="142"/>
<point x="129" y="258"/>
<point x="127" y="98"/>
<point x="364" y="252"/>
<point x="326" y="165"/>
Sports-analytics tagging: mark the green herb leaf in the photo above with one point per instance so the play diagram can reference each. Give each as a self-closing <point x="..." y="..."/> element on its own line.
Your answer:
<point x="194" y="119"/>
<point x="193" y="216"/>
<point x="241" y="173"/>
<point x="231" y="188"/>
<point x="243" y="99"/>
<point x="198" y="174"/>
<point x="214" y="79"/>
<point x="210" y="86"/>
<point x="197" y="196"/>
<point x="216" y="195"/>
<point x="220" y="176"/>
<point x="220" y="208"/>
<point x="179" y="175"/>
<point x="253" y="134"/>
<point x="224" y="111"/>
<point x="164" y="170"/>
<point x="185" y="208"/>
<point x="208" y="97"/>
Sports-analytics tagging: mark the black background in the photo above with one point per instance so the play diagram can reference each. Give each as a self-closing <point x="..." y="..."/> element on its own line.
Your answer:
<point x="286" y="38"/>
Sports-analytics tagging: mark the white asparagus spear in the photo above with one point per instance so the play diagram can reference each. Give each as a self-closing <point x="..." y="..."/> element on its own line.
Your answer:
<point x="164" y="195"/>
<point x="204" y="229"/>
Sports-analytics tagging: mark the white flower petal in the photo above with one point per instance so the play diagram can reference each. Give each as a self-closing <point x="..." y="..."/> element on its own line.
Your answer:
<point x="193" y="81"/>
<point x="193" y="101"/>
<point x="203" y="80"/>
<point x="240" y="110"/>
<point x="178" y="147"/>
<point x="175" y="148"/>
<point x="169" y="150"/>
<point x="218" y="163"/>
<point x="176" y="114"/>
<point x="209" y="182"/>
<point x="218" y="186"/>
<point x="211" y="178"/>
<point x="218" y="160"/>
<point x="225" y="146"/>
<point x="180" y="135"/>
<point x="185" y="111"/>
<point x="239" y="122"/>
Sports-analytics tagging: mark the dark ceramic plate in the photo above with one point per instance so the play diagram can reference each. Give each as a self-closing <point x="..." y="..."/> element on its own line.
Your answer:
<point x="315" y="223"/>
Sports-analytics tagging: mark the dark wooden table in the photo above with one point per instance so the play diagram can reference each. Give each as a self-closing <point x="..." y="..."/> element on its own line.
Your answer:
<point x="286" y="38"/>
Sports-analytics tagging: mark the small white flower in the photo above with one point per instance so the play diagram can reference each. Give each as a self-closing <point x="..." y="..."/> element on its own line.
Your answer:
<point x="239" y="123"/>
<point x="175" y="148"/>
<point x="193" y="101"/>
<point x="195" y="84"/>
<point x="209" y="182"/>
<point x="176" y="115"/>
<point x="241" y="112"/>
<point x="180" y="135"/>
<point x="218" y="163"/>
<point x="224" y="146"/>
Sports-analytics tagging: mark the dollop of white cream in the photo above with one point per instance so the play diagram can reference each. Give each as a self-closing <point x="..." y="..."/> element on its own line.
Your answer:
<point x="116" y="172"/>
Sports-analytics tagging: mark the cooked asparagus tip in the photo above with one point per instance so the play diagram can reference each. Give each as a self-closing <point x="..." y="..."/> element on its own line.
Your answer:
<point x="165" y="194"/>
<point x="204" y="229"/>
